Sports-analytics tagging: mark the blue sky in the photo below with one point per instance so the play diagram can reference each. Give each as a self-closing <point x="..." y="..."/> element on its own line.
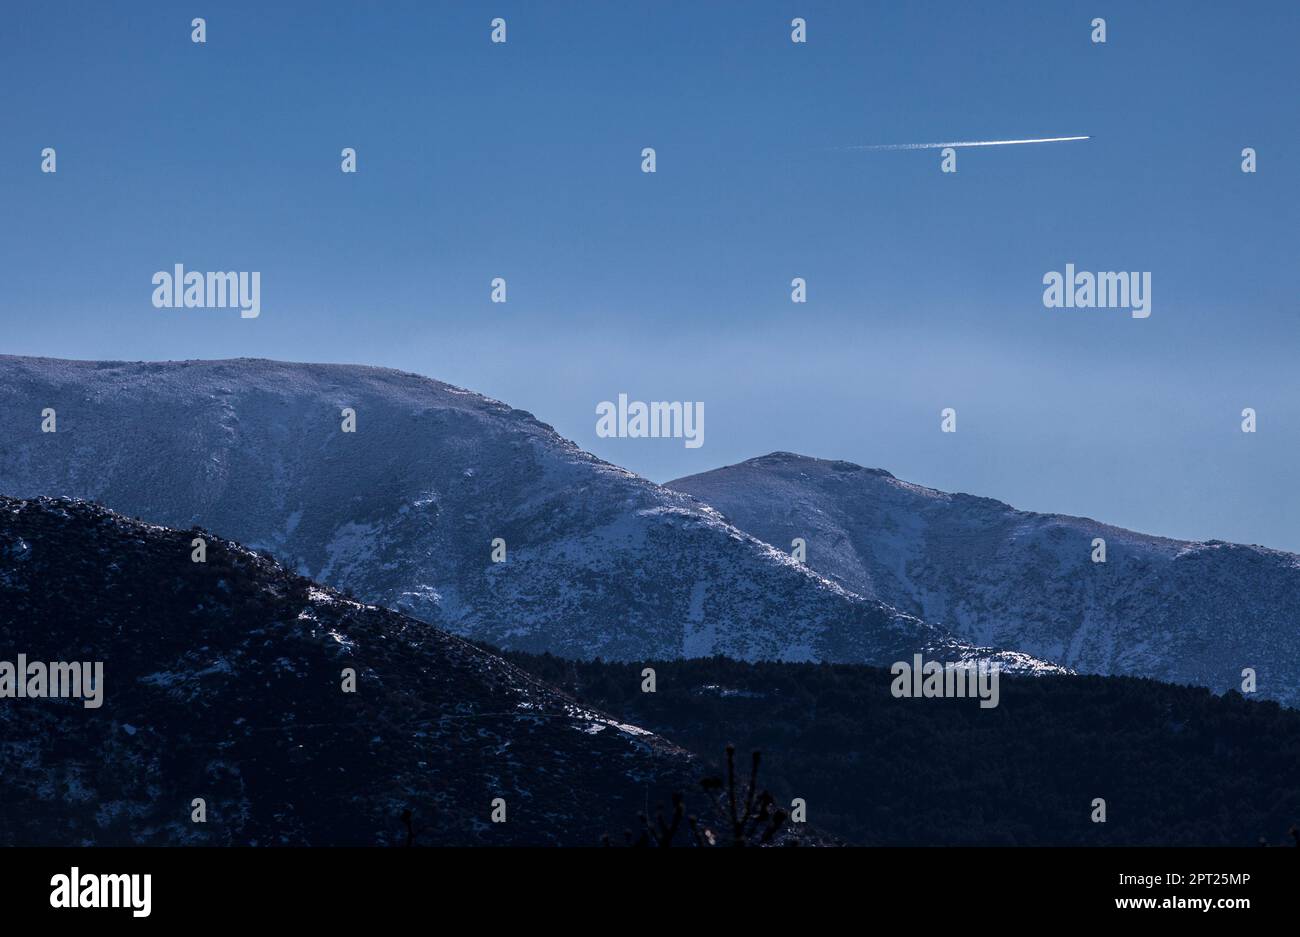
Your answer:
<point x="522" y="161"/>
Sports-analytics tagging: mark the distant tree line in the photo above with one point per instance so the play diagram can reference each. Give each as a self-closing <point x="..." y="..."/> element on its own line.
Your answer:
<point x="1175" y="765"/>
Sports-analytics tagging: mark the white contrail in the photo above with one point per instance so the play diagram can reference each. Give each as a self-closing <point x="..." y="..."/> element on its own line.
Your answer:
<point x="940" y="146"/>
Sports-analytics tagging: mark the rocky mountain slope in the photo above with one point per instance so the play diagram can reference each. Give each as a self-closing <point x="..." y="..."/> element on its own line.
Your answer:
<point x="1174" y="610"/>
<point x="403" y="511"/>
<point x="223" y="680"/>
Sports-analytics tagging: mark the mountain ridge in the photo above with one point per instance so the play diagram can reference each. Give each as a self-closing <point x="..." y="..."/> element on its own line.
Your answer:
<point x="990" y="573"/>
<point x="404" y="512"/>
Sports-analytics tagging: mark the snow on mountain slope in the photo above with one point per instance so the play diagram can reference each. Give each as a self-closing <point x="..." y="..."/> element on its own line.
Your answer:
<point x="1174" y="610"/>
<point x="223" y="681"/>
<point x="403" y="511"/>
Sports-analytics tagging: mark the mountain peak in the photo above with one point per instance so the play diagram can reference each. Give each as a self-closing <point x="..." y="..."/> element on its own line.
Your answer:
<point x="1148" y="606"/>
<point x="811" y="462"/>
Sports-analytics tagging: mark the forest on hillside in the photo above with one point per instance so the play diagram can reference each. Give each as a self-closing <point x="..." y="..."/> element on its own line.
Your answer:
<point x="1175" y="765"/>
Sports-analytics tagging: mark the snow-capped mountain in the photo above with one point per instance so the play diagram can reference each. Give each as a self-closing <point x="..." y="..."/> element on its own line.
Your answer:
<point x="1174" y="610"/>
<point x="403" y="512"/>
<point x="223" y="681"/>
